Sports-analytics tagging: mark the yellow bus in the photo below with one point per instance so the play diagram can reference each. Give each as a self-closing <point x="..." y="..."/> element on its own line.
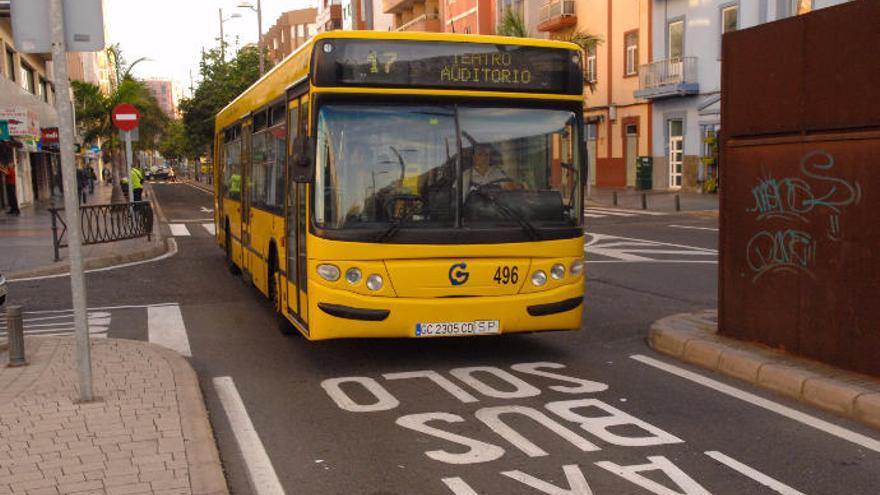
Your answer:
<point x="380" y="184"/>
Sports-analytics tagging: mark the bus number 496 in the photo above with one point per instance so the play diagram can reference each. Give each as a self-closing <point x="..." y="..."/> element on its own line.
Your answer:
<point x="506" y="275"/>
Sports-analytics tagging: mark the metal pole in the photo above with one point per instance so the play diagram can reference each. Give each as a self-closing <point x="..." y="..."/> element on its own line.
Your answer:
<point x="15" y="334"/>
<point x="129" y="165"/>
<point x="71" y="204"/>
<point x="55" y="240"/>
<point x="260" y="37"/>
<point x="677" y="203"/>
<point x="222" y="48"/>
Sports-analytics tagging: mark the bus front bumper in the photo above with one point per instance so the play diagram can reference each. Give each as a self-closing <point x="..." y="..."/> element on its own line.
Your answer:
<point x="336" y="313"/>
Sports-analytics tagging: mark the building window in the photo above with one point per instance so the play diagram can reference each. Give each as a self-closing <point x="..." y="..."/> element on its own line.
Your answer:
<point x="44" y="90"/>
<point x="10" y="64"/>
<point x="675" y="30"/>
<point x="631" y="45"/>
<point x="591" y="64"/>
<point x="27" y="76"/>
<point x="729" y="19"/>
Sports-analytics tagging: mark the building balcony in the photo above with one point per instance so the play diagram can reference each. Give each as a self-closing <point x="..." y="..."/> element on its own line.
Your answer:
<point x="397" y="6"/>
<point x="668" y="78"/>
<point x="557" y="14"/>
<point x="426" y="22"/>
<point x="329" y="18"/>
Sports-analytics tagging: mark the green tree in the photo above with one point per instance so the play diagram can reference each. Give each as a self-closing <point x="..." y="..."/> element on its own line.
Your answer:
<point x="172" y="145"/>
<point x="221" y="82"/>
<point x="586" y="42"/>
<point x="512" y="24"/>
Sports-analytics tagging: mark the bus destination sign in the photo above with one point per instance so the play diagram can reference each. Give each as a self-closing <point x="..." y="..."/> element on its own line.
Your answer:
<point x="447" y="65"/>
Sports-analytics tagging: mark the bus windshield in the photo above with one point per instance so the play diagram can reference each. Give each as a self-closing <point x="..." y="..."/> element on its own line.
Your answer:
<point x="446" y="166"/>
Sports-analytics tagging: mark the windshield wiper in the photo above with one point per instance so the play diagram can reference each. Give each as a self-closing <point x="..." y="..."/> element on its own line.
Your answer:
<point x="505" y="210"/>
<point x="397" y="224"/>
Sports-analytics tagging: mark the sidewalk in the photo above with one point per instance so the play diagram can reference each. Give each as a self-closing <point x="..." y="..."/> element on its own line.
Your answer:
<point x="148" y="432"/>
<point x="693" y="338"/>
<point x="26" y="242"/>
<point x="657" y="200"/>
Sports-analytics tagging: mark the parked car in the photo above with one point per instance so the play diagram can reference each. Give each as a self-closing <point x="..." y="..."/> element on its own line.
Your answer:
<point x="160" y="174"/>
<point x="2" y="289"/>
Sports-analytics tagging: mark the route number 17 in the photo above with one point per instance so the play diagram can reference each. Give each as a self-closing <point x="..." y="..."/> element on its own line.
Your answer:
<point x="386" y="61"/>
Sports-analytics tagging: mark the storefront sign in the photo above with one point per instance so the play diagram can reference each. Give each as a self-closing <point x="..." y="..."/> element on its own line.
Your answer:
<point x="4" y="130"/>
<point x="22" y="122"/>
<point x="49" y="138"/>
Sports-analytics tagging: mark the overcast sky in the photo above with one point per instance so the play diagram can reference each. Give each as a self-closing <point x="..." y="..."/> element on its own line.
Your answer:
<point x="171" y="33"/>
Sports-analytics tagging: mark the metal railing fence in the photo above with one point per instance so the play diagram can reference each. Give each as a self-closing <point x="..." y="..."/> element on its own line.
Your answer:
<point x="669" y="71"/>
<point x="105" y="223"/>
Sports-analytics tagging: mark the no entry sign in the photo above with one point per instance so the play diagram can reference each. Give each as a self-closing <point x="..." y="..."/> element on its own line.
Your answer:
<point x="125" y="117"/>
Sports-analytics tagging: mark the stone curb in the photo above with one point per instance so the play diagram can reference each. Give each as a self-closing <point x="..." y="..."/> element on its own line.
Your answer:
<point x="205" y="469"/>
<point x="693" y="338"/>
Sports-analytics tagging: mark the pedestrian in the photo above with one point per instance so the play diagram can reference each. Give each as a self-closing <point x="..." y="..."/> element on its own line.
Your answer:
<point x="137" y="183"/>
<point x="82" y="184"/>
<point x="8" y="171"/>
<point x="105" y="175"/>
<point x="92" y="177"/>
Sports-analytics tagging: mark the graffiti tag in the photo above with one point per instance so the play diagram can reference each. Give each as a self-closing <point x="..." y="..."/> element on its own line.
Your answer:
<point x="793" y="197"/>
<point x="789" y="250"/>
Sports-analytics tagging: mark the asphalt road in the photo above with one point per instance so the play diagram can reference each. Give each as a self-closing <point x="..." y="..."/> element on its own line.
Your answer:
<point x="557" y="413"/>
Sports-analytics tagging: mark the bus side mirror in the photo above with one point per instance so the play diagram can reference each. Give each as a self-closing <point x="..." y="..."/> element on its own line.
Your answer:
<point x="302" y="163"/>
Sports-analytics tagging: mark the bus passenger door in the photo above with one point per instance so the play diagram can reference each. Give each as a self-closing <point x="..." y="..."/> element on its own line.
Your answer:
<point x="292" y="296"/>
<point x="246" y="263"/>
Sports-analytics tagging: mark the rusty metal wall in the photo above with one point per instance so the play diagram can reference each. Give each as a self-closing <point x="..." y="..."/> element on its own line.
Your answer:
<point x="800" y="232"/>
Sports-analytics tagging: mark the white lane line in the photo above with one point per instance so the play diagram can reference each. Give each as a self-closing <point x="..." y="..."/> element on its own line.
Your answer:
<point x="261" y="474"/>
<point x="806" y="419"/>
<point x="776" y="486"/>
<point x="191" y="220"/>
<point x="178" y="229"/>
<point x="197" y="188"/>
<point x="692" y="227"/>
<point x="122" y="306"/>
<point x="611" y="212"/>
<point x="210" y="228"/>
<point x="590" y="215"/>
<point x="165" y="327"/>
<point x="171" y="252"/>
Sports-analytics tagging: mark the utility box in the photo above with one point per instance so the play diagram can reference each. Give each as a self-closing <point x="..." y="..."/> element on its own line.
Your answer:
<point x="645" y="173"/>
<point x="799" y="266"/>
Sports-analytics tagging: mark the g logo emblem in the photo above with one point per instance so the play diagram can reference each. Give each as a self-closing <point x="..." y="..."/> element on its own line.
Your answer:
<point x="457" y="275"/>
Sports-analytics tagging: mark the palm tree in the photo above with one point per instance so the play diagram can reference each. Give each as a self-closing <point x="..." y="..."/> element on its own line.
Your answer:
<point x="512" y="24"/>
<point x="93" y="109"/>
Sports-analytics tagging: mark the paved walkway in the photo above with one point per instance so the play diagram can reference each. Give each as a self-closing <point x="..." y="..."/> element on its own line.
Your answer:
<point x="26" y="241"/>
<point x="656" y="200"/>
<point x="147" y="433"/>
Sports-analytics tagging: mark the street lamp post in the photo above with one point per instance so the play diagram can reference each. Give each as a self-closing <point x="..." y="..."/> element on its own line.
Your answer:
<point x="222" y="39"/>
<point x="259" y="11"/>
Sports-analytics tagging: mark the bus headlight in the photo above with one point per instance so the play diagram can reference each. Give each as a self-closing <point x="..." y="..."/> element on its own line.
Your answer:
<point x="374" y="282"/>
<point x="558" y="271"/>
<point x="328" y="272"/>
<point x="577" y="267"/>
<point x="353" y="275"/>
<point x="539" y="278"/>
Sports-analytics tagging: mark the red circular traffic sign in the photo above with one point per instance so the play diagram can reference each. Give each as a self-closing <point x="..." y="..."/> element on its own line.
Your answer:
<point x="126" y="117"/>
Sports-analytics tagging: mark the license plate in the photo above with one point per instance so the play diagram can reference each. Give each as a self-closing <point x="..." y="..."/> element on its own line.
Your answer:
<point x="453" y="328"/>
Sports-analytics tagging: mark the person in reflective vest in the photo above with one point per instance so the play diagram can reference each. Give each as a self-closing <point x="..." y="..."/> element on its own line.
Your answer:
<point x="137" y="183"/>
<point x="234" y="184"/>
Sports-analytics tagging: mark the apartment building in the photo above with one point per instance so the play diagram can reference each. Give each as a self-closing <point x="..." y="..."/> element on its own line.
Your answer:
<point x="167" y="93"/>
<point x="292" y="29"/>
<point x="27" y="99"/>
<point x="469" y="16"/>
<point x="415" y="15"/>
<point x="683" y="79"/>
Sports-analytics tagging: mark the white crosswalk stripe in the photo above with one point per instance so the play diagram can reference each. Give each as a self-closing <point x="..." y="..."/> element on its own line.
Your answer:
<point x="178" y="229"/>
<point x="596" y="212"/>
<point x="210" y="228"/>
<point x="60" y="323"/>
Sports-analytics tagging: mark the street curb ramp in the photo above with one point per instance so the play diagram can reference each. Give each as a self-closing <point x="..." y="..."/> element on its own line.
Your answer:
<point x="693" y="338"/>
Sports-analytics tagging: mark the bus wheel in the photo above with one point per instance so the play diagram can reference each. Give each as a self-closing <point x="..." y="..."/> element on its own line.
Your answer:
<point x="284" y="326"/>
<point x="233" y="269"/>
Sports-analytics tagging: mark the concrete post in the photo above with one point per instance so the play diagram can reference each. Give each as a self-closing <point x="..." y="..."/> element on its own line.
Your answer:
<point x="15" y="333"/>
<point x="644" y="201"/>
<point x="64" y="107"/>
